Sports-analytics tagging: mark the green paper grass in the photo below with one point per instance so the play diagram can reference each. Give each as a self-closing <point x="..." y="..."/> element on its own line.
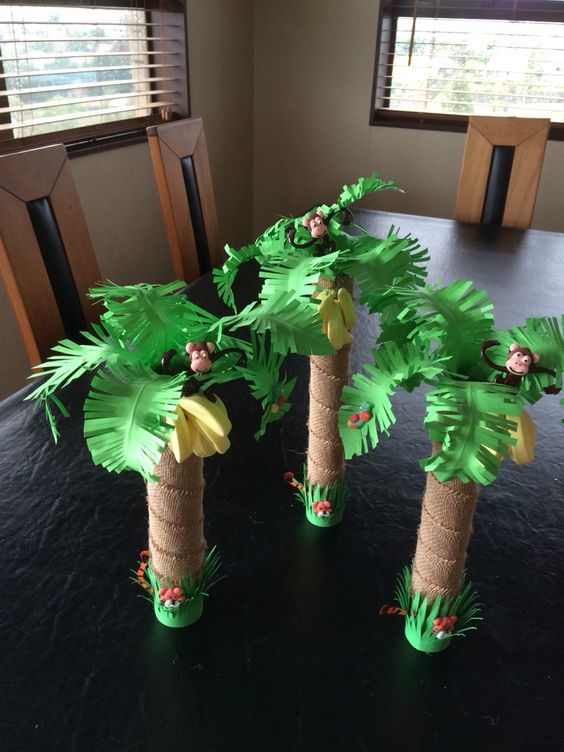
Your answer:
<point x="335" y="493"/>
<point x="191" y="609"/>
<point x="420" y="614"/>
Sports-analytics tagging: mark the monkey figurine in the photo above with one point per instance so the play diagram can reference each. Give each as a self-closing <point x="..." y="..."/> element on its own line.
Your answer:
<point x="317" y="224"/>
<point x="520" y="362"/>
<point x="202" y="356"/>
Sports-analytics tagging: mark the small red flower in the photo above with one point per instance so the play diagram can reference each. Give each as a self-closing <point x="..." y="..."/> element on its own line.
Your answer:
<point x="444" y="623"/>
<point x="289" y="476"/>
<point x="281" y="400"/>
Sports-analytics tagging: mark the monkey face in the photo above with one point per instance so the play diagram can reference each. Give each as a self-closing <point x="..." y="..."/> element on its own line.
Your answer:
<point x="317" y="227"/>
<point x="200" y="361"/>
<point x="520" y="359"/>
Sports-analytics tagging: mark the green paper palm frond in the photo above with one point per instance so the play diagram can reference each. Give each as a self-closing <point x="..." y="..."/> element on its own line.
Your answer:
<point x="295" y="274"/>
<point x="225" y="277"/>
<point x="378" y="264"/>
<point x="152" y="318"/>
<point x="545" y="336"/>
<point x="396" y="366"/>
<point x="262" y="373"/>
<point x="294" y="325"/>
<point x="124" y="417"/>
<point x="361" y="188"/>
<point x="273" y="240"/>
<point x="71" y="359"/>
<point x="456" y="317"/>
<point x="472" y="421"/>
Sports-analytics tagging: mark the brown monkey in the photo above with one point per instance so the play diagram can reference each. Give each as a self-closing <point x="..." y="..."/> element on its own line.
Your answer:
<point x="520" y="362"/>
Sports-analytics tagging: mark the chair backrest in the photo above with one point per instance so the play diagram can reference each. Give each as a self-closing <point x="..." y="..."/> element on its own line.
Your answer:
<point x="182" y="171"/>
<point x="501" y="170"/>
<point x="46" y="256"/>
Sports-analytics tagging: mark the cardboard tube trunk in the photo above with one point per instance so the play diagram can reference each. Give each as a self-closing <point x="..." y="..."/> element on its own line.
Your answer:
<point x="442" y="539"/>
<point x="176" y="531"/>
<point x="328" y="376"/>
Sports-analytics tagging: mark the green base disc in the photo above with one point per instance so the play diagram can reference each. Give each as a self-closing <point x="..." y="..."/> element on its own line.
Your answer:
<point x="182" y="616"/>
<point x="330" y="521"/>
<point x="424" y="643"/>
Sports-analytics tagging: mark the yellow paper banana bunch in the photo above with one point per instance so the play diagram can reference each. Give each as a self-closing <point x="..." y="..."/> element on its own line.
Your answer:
<point x="201" y="428"/>
<point x="524" y="450"/>
<point x="338" y="316"/>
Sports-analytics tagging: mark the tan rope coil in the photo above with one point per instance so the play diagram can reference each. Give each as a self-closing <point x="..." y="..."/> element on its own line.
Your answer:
<point x="442" y="539"/>
<point x="328" y="376"/>
<point x="176" y="518"/>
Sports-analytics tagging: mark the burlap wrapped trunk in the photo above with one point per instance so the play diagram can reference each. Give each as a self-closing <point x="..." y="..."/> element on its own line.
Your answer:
<point x="176" y="518"/>
<point x="328" y="376"/>
<point x="442" y="539"/>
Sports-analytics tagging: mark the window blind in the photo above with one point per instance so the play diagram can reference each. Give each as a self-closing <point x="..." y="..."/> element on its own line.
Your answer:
<point x="465" y="57"/>
<point x="74" y="66"/>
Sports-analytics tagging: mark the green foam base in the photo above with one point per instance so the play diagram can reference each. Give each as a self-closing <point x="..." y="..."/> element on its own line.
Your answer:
<point x="420" y="614"/>
<point x="182" y="617"/>
<point x="335" y="493"/>
<point x="426" y="643"/>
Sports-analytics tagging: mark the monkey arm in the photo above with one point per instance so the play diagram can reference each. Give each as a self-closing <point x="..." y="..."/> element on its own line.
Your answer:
<point x="242" y="362"/>
<point x="290" y="235"/>
<point x="485" y="347"/>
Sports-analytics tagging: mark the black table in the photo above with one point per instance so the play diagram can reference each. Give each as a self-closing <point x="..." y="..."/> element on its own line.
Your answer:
<point x="291" y="653"/>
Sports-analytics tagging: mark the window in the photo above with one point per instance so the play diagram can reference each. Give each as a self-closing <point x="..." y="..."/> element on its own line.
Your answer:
<point x="439" y="61"/>
<point x="89" y="73"/>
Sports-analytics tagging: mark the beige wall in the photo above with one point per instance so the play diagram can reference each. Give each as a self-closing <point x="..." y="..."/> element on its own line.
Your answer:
<point x="117" y="189"/>
<point x="313" y="80"/>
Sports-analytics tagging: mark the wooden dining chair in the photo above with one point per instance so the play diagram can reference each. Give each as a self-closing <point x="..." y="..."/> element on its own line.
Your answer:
<point x="501" y="169"/>
<point x="46" y="256"/>
<point x="182" y="172"/>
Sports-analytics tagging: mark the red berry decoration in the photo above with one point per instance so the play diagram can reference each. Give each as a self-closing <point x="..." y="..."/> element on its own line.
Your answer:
<point x="365" y="416"/>
<point x="354" y="418"/>
<point x="281" y="400"/>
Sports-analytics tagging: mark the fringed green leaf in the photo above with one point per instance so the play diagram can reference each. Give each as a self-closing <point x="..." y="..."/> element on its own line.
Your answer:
<point x="224" y="278"/>
<point x="363" y="187"/>
<point x="456" y="318"/>
<point x="128" y="417"/>
<point x="293" y="324"/>
<point x="472" y="421"/>
<point x="395" y="366"/>
<point x="153" y="318"/>
<point x="378" y="264"/>
<point x="295" y="274"/>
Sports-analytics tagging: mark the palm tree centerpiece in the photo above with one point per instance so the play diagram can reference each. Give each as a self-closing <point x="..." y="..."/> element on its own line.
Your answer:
<point x="309" y="263"/>
<point x="155" y="360"/>
<point x="474" y="423"/>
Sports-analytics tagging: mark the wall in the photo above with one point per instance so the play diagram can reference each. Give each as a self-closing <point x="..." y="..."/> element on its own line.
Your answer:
<point x="117" y="188"/>
<point x="313" y="81"/>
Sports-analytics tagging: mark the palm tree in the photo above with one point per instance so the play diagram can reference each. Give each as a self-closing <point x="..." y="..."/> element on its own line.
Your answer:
<point x="311" y="262"/>
<point x="148" y="411"/>
<point x="473" y="424"/>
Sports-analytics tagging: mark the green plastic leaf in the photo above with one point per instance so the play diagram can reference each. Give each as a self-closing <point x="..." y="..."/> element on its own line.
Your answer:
<point x="395" y="366"/>
<point x="472" y="421"/>
<point x="378" y="264"/>
<point x="225" y="277"/>
<point x="294" y="274"/>
<point x="456" y="318"/>
<point x="125" y="417"/>
<point x="294" y="325"/>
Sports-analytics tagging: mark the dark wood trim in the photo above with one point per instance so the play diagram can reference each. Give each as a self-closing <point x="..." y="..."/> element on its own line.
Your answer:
<point x="438" y="122"/>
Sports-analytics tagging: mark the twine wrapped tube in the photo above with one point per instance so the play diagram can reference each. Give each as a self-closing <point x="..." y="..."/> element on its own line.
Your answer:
<point x="176" y="518"/>
<point x="328" y="376"/>
<point x="442" y="539"/>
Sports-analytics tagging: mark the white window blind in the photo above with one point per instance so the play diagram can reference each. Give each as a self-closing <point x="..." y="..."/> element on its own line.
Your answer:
<point x="67" y="67"/>
<point x="462" y="57"/>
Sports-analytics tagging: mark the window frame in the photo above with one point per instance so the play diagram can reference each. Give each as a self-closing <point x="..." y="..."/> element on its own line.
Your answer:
<point x="102" y="136"/>
<point x="380" y="115"/>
